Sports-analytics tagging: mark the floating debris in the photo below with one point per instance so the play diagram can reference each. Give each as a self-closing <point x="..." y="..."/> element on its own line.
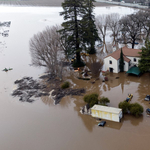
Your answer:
<point x="7" y="69"/>
<point x="27" y="88"/>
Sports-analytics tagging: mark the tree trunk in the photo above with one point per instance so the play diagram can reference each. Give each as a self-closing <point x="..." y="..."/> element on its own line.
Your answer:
<point x="104" y="39"/>
<point x="77" y="38"/>
<point x="133" y="43"/>
<point x="78" y="58"/>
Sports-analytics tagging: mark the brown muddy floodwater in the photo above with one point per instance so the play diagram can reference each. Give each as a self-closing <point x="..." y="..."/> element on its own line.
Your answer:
<point x="45" y="126"/>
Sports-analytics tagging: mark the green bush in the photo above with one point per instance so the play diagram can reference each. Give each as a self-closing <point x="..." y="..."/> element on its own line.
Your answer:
<point x="65" y="85"/>
<point x="91" y="99"/>
<point x="136" y="109"/>
<point x="104" y="101"/>
<point x="124" y="106"/>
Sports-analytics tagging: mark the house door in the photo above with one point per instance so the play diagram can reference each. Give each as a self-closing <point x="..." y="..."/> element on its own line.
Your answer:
<point x="110" y="69"/>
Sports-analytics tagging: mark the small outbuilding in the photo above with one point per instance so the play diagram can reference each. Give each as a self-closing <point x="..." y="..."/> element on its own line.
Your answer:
<point x="108" y="113"/>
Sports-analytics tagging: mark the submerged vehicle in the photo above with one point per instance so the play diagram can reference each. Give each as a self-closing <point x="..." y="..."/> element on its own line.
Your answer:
<point x="128" y="99"/>
<point x="147" y="98"/>
<point x="102" y="123"/>
<point x="148" y="111"/>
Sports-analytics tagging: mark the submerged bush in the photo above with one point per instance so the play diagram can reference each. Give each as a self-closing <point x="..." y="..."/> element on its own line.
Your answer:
<point x="104" y="101"/>
<point x="91" y="99"/>
<point x="124" y="106"/>
<point x="65" y="85"/>
<point x="134" y="108"/>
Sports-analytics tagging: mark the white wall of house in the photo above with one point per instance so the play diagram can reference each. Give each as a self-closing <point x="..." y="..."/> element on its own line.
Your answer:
<point x="126" y="66"/>
<point x="132" y="60"/>
<point x="114" y="65"/>
<point x="108" y="65"/>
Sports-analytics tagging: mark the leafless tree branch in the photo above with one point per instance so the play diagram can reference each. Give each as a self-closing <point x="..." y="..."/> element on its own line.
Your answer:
<point x="46" y="50"/>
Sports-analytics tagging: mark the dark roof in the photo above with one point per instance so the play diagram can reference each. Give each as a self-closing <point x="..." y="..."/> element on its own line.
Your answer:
<point x="134" y="70"/>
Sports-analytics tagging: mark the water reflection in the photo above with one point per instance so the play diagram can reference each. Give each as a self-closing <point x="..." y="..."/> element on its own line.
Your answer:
<point x="115" y="80"/>
<point x="65" y="101"/>
<point x="133" y="120"/>
<point x="87" y="120"/>
<point x="144" y="88"/>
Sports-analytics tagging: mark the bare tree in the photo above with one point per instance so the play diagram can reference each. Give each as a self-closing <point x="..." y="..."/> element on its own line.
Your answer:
<point x="95" y="64"/>
<point x="130" y="29"/>
<point x="113" y="24"/>
<point x="102" y="25"/>
<point x="144" y="19"/>
<point x="46" y="50"/>
<point x="96" y="67"/>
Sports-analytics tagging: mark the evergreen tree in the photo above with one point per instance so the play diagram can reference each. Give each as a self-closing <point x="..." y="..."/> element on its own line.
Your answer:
<point x="144" y="62"/>
<point x="74" y="10"/>
<point x="90" y="33"/>
<point x="121" y="62"/>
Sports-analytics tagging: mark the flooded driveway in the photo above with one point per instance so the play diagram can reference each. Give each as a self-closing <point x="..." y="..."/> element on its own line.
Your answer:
<point x="44" y="126"/>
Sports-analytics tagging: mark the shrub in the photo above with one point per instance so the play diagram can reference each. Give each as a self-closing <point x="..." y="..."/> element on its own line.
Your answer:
<point x="104" y="101"/>
<point x="136" y="109"/>
<point x="96" y="67"/>
<point x="124" y="106"/>
<point x="65" y="85"/>
<point x="91" y="99"/>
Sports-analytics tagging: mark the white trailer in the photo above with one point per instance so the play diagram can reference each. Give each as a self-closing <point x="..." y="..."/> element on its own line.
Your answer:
<point x="108" y="113"/>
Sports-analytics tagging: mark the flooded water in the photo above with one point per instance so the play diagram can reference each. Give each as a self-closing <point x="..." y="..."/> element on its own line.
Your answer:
<point x="44" y="126"/>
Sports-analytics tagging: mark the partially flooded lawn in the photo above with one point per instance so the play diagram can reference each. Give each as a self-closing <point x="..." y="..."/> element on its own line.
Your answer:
<point x="43" y="125"/>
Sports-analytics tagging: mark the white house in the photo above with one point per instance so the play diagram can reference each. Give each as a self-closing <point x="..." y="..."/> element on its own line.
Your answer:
<point x="131" y="58"/>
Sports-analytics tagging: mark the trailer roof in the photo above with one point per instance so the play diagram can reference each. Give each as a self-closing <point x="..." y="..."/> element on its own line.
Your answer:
<point x="106" y="109"/>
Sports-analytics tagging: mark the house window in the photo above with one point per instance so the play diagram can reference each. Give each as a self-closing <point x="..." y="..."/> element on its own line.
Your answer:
<point x="110" y="62"/>
<point x="129" y="63"/>
<point x="134" y="59"/>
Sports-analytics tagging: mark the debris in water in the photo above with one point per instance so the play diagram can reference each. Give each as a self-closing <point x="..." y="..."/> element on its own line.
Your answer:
<point x="7" y="69"/>
<point x="27" y="88"/>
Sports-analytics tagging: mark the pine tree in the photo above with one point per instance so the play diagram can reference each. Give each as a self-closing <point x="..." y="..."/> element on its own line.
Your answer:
<point x="90" y="33"/>
<point x="144" y="62"/>
<point x="121" y="62"/>
<point x="74" y="10"/>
